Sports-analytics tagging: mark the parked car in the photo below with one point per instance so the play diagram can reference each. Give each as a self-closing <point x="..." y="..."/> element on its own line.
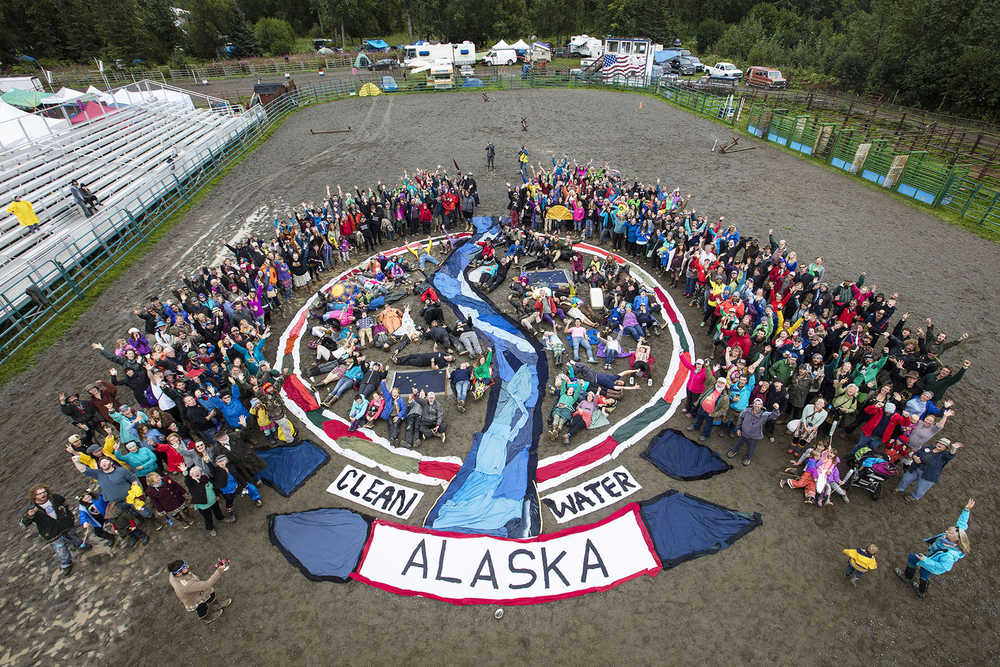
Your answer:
<point x="766" y="77"/>
<point x="685" y="65"/>
<point x="724" y="71"/>
<point x="466" y="70"/>
<point x="389" y="84"/>
<point x="383" y="65"/>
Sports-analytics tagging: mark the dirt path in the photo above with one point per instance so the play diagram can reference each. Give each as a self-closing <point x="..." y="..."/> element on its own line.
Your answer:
<point x="765" y="599"/>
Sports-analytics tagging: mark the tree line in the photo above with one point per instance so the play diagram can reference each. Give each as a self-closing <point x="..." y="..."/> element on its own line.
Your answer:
<point x="937" y="54"/>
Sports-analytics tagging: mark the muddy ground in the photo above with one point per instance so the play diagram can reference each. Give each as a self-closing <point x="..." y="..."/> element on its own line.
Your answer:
<point x="777" y="595"/>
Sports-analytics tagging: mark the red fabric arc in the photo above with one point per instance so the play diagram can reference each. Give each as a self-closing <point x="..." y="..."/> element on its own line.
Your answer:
<point x="337" y="429"/>
<point x="295" y="390"/>
<point x="579" y="459"/>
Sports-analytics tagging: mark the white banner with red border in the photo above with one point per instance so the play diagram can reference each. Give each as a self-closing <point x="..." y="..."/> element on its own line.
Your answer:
<point x="481" y="569"/>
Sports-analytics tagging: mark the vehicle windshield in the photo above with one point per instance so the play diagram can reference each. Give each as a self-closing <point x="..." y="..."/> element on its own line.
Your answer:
<point x="774" y="75"/>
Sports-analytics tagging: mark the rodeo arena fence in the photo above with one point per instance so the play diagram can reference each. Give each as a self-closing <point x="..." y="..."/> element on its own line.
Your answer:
<point x="147" y="148"/>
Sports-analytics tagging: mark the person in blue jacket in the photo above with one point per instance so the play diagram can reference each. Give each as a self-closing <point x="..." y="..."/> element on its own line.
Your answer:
<point x="229" y="405"/>
<point x="945" y="550"/>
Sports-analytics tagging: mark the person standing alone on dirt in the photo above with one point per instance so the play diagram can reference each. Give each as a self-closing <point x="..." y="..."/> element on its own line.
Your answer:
<point x="945" y="550"/>
<point x="522" y="161"/>
<point x="491" y="153"/>
<point x="54" y="521"/>
<point x="197" y="595"/>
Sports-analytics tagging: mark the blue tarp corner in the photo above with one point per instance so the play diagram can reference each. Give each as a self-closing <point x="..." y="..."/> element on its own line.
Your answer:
<point x="684" y="527"/>
<point x="677" y="456"/>
<point x="325" y="544"/>
<point x="288" y="468"/>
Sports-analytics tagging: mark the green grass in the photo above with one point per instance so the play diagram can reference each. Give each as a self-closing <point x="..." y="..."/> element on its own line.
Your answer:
<point x="23" y="359"/>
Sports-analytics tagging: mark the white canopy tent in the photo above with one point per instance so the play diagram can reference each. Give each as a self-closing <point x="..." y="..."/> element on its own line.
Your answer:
<point x="63" y="96"/>
<point x="125" y="96"/>
<point x="520" y="45"/>
<point x="18" y="126"/>
<point x="501" y="45"/>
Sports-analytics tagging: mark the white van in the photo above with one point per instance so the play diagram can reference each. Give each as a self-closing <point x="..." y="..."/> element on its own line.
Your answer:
<point x="498" y="57"/>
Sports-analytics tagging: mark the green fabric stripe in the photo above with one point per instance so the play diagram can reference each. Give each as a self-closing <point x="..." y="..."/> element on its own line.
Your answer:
<point x="632" y="426"/>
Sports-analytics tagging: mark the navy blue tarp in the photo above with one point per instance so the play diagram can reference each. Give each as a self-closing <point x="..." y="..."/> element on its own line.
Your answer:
<point x="325" y="544"/>
<point x="685" y="527"/>
<point x="407" y="381"/>
<point x="675" y="455"/>
<point x="288" y="468"/>
<point x="550" y="279"/>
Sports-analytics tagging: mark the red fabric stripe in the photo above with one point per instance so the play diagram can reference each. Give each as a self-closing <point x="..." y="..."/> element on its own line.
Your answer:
<point x="295" y="332"/>
<point x="679" y="379"/>
<point x="336" y="429"/>
<point x="583" y="458"/>
<point x="438" y="469"/>
<point x="667" y="308"/>
<point x="296" y="391"/>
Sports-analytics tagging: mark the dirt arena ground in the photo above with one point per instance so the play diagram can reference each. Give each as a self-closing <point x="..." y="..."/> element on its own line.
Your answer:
<point x="776" y="596"/>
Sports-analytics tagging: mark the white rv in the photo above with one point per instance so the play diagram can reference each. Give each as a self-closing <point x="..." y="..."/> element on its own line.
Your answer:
<point x="21" y="83"/>
<point x="420" y="54"/>
<point x="633" y="60"/>
<point x="586" y="46"/>
<point x="441" y="75"/>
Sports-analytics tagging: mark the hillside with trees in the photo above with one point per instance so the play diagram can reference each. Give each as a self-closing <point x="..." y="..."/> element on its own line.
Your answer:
<point x="937" y="54"/>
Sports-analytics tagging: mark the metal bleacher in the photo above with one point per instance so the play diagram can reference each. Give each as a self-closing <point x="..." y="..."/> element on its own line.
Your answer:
<point x="125" y="156"/>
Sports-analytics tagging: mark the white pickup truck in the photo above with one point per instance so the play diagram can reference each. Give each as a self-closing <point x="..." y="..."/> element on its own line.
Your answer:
<point x="724" y="71"/>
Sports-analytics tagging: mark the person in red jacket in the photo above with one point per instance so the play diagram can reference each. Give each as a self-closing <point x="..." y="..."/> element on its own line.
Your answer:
<point x="426" y="217"/>
<point x="738" y="338"/>
<point x="700" y="377"/>
<point x="449" y="201"/>
<point x="882" y="423"/>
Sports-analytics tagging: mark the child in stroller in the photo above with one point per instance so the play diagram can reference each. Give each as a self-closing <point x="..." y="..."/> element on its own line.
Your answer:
<point x="870" y="470"/>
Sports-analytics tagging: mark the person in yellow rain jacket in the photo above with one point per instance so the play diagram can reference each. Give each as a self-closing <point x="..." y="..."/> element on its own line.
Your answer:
<point x="25" y="213"/>
<point x="860" y="562"/>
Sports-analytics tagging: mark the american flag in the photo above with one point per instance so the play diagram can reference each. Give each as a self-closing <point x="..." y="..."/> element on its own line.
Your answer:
<point x="634" y="64"/>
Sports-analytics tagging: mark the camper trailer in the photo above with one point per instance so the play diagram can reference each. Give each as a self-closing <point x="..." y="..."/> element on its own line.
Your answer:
<point x="441" y="76"/>
<point x="586" y="46"/>
<point x="21" y="83"/>
<point x="628" y="60"/>
<point x="423" y="53"/>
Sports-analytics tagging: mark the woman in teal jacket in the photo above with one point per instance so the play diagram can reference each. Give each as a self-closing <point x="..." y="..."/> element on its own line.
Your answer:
<point x="945" y="550"/>
<point x="141" y="460"/>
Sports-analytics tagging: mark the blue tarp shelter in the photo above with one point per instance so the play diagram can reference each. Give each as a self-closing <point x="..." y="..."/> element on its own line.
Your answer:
<point x="325" y="544"/>
<point x="376" y="44"/>
<point x="677" y="456"/>
<point x="288" y="468"/>
<point x="684" y="527"/>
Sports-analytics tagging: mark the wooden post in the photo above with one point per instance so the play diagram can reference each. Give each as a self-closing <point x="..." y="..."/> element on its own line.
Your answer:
<point x="976" y="145"/>
<point x="930" y="133"/>
<point x="948" y="140"/>
<point x="809" y="102"/>
<point x="989" y="161"/>
<point x="848" y="114"/>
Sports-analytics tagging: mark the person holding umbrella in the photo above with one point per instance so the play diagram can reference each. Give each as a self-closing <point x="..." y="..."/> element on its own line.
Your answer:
<point x="945" y="550"/>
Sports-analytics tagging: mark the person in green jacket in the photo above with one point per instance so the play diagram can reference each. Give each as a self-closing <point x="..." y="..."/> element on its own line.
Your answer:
<point x="712" y="407"/>
<point x="939" y="382"/>
<point x="54" y="521"/>
<point x="783" y="369"/>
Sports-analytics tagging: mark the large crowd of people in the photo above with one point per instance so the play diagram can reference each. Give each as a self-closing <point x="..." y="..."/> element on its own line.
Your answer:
<point x="823" y="369"/>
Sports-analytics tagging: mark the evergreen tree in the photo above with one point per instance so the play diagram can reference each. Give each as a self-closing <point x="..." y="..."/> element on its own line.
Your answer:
<point x="242" y="35"/>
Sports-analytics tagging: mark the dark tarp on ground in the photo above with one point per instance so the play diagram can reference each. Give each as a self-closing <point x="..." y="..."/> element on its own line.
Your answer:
<point x="325" y="544"/>
<point x="548" y="278"/>
<point x="407" y="381"/>
<point x="684" y="527"/>
<point x="677" y="456"/>
<point x="288" y="468"/>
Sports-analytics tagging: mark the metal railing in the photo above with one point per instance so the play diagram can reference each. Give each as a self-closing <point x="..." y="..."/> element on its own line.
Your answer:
<point x="50" y="288"/>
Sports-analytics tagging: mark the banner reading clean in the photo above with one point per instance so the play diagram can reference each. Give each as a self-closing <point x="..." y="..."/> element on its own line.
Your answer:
<point x="477" y="569"/>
